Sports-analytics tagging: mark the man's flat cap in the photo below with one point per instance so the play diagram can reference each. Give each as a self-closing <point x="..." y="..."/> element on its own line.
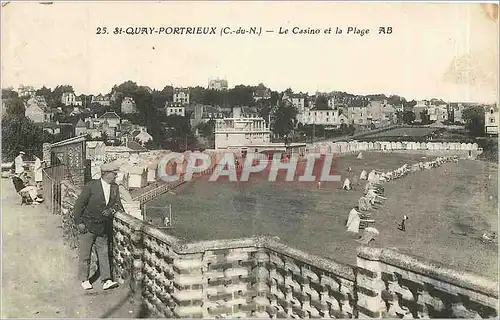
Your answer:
<point x="109" y="167"/>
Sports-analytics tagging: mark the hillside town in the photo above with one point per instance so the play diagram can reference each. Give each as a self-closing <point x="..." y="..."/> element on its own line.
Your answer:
<point x="218" y="117"/>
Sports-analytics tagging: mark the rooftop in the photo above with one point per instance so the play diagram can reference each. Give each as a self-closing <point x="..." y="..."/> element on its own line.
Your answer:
<point x="110" y="115"/>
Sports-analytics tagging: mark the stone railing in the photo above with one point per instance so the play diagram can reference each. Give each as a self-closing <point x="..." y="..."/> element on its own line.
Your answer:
<point x="397" y="285"/>
<point x="263" y="277"/>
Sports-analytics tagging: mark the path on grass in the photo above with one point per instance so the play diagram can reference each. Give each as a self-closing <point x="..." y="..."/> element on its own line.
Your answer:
<point x="39" y="271"/>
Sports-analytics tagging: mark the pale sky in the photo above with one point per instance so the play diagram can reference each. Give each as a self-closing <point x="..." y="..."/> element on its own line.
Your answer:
<point x="57" y="44"/>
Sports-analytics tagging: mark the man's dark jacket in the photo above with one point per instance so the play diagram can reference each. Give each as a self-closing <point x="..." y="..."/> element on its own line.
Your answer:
<point x="90" y="205"/>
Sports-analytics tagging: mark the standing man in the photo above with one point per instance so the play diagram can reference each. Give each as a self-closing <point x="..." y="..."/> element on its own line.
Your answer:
<point x="19" y="163"/>
<point x="94" y="210"/>
<point x="38" y="171"/>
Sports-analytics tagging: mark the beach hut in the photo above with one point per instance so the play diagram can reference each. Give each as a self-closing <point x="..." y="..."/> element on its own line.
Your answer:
<point x="430" y="146"/>
<point x="152" y="166"/>
<point x="394" y="145"/>
<point x="370" y="146"/>
<point x="385" y="145"/>
<point x="475" y="146"/>
<point x="423" y="146"/>
<point x="377" y="146"/>
<point x="137" y="176"/>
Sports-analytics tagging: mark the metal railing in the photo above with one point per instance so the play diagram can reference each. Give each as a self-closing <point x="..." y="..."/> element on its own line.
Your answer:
<point x="51" y="182"/>
<point x="51" y="192"/>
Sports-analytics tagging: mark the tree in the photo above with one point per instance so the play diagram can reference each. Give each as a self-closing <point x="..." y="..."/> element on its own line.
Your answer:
<point x="45" y="92"/>
<point x="285" y="118"/>
<point x="21" y="134"/>
<point x="240" y="95"/>
<point x="395" y="100"/>
<point x="206" y="129"/>
<point x="408" y="117"/>
<point x="322" y="103"/>
<point x="409" y="104"/>
<point x="55" y="98"/>
<point x="15" y="107"/>
<point x="351" y="129"/>
<point x="9" y="94"/>
<point x="197" y="95"/>
<point x="180" y="134"/>
<point x="424" y="115"/>
<point x="474" y="120"/>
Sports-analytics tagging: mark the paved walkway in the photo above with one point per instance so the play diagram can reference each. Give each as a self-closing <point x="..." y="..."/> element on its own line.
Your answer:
<point x="39" y="271"/>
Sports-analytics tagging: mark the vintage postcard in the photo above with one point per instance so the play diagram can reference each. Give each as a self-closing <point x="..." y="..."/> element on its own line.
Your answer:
<point x="232" y="159"/>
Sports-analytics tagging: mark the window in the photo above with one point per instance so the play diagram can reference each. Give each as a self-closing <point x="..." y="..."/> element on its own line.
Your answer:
<point x="492" y="120"/>
<point x="227" y="136"/>
<point x="491" y="111"/>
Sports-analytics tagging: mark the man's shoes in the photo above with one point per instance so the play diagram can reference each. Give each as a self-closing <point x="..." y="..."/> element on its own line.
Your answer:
<point x="109" y="284"/>
<point x="87" y="285"/>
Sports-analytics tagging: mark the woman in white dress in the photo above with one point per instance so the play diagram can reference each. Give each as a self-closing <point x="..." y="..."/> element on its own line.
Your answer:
<point x="38" y="170"/>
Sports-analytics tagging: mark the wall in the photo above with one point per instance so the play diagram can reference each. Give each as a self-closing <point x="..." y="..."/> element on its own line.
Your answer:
<point x="263" y="277"/>
<point x="399" y="285"/>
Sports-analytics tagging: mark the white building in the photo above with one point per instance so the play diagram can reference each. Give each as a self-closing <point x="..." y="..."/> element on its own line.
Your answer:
<point x="297" y="100"/>
<point x="241" y="132"/>
<point x="456" y="110"/>
<point x="26" y="91"/>
<point x="331" y="102"/>
<point x="37" y="110"/>
<point x="358" y="115"/>
<point x="181" y="96"/>
<point x="322" y="117"/>
<point x="128" y="105"/>
<point x="143" y="137"/>
<point x="111" y="119"/>
<point x="262" y="94"/>
<point x="175" y="109"/>
<point x="102" y="100"/>
<point x="217" y="84"/>
<point x="438" y="113"/>
<point x="70" y="99"/>
<point x="491" y="120"/>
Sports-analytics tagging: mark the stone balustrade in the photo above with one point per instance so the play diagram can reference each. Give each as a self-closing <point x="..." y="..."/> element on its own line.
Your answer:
<point x="265" y="278"/>
<point x="398" y="285"/>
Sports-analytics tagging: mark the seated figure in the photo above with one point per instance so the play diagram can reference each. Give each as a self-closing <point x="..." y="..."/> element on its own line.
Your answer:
<point x="363" y="175"/>
<point x="347" y="184"/>
<point x="27" y="192"/>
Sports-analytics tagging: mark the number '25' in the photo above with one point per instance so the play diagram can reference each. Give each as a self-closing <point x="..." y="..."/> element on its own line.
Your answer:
<point x="102" y="30"/>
